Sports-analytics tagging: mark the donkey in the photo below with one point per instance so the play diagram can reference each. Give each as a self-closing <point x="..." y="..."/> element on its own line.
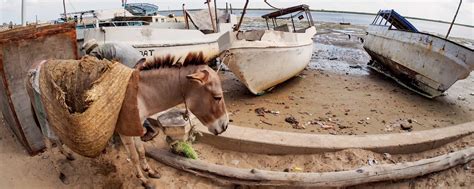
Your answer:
<point x="165" y="82"/>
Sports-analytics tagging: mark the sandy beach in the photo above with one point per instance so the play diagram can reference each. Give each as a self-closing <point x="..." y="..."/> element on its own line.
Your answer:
<point x="338" y="90"/>
<point x="336" y="94"/>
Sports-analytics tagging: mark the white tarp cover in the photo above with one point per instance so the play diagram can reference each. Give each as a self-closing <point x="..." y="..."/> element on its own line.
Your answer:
<point x="202" y="18"/>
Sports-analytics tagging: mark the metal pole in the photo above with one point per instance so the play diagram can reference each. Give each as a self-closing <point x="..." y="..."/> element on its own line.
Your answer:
<point x="243" y="14"/>
<point x="454" y="19"/>
<point x="217" y="19"/>
<point x="376" y="18"/>
<point x="185" y="17"/>
<point x="293" y="23"/>
<point x="311" y="18"/>
<point x="23" y="13"/>
<point x="64" y="8"/>
<point x="266" y="20"/>
<point x="230" y="8"/>
<point x="307" y="18"/>
<point x="124" y="14"/>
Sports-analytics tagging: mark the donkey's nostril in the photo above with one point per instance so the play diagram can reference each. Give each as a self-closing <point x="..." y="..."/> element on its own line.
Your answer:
<point x="225" y="127"/>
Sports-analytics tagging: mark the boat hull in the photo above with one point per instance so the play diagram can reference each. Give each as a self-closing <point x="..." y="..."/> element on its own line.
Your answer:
<point x="159" y="42"/>
<point x="424" y="63"/>
<point x="261" y="69"/>
<point x="262" y="63"/>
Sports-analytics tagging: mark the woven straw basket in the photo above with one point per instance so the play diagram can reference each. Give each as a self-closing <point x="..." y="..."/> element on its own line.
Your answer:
<point x="82" y="99"/>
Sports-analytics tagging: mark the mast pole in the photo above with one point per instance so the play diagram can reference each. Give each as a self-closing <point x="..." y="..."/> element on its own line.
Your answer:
<point x="242" y="17"/>
<point x="64" y="8"/>
<point x="454" y="19"/>
<point x="23" y="13"/>
<point x="216" y="16"/>
<point x="185" y="17"/>
<point x="210" y="14"/>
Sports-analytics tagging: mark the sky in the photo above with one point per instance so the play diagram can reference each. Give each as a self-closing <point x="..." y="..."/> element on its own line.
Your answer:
<point x="44" y="10"/>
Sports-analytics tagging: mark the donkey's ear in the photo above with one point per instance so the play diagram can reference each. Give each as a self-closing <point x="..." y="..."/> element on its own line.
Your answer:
<point x="200" y="76"/>
<point x="139" y="65"/>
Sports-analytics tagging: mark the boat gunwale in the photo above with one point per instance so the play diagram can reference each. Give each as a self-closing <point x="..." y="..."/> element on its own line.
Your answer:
<point x="172" y="45"/>
<point x="264" y="47"/>
<point x="422" y="33"/>
<point x="244" y="44"/>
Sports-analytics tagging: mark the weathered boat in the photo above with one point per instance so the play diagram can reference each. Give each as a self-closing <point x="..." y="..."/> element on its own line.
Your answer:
<point x="20" y="48"/>
<point x="171" y="38"/>
<point x="262" y="59"/>
<point x="422" y="62"/>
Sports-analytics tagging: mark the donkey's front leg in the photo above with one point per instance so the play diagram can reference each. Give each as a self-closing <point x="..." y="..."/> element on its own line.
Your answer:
<point x="49" y="147"/>
<point x="64" y="150"/>
<point x="129" y="144"/>
<point x="145" y="166"/>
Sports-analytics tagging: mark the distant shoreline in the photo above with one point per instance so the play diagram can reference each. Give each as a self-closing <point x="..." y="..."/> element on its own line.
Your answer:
<point x="366" y="13"/>
<point x="345" y="12"/>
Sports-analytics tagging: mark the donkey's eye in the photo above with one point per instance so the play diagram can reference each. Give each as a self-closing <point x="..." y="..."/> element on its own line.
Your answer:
<point x="218" y="98"/>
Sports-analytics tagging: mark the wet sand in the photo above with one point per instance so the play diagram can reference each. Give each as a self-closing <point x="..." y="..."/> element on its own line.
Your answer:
<point x="338" y="94"/>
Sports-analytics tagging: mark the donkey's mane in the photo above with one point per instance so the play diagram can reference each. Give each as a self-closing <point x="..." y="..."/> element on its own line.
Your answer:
<point x="168" y="61"/>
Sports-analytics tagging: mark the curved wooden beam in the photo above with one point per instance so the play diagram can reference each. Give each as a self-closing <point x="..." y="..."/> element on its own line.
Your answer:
<point x="252" y="140"/>
<point x="231" y="175"/>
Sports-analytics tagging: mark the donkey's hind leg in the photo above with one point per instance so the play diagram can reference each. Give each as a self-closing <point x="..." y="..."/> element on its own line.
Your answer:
<point x="145" y="166"/>
<point x="129" y="144"/>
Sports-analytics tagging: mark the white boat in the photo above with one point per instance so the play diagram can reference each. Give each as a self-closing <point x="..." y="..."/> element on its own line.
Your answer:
<point x="261" y="59"/>
<point x="170" y="38"/>
<point x="424" y="63"/>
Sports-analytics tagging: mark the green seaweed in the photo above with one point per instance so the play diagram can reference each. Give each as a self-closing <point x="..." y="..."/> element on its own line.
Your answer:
<point x="184" y="149"/>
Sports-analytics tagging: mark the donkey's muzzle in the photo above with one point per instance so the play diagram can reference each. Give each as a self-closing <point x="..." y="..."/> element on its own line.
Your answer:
<point x="220" y="125"/>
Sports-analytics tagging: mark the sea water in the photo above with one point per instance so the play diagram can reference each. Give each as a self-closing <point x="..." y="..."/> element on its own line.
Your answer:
<point x="362" y="19"/>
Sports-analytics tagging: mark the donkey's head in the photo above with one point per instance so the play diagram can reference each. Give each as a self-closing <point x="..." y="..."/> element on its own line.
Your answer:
<point x="206" y="100"/>
<point x="197" y="83"/>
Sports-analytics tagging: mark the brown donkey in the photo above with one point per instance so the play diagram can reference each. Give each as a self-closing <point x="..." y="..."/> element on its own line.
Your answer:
<point x="162" y="84"/>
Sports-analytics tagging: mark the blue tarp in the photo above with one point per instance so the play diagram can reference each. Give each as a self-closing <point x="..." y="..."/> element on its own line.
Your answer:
<point x="397" y="20"/>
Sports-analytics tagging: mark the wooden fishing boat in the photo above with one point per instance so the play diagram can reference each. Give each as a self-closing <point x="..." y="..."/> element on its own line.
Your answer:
<point x="262" y="59"/>
<point x="170" y="38"/>
<point x="424" y="63"/>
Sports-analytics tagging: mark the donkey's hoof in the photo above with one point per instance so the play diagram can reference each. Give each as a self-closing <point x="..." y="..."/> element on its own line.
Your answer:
<point x="63" y="178"/>
<point x="154" y="175"/>
<point x="148" y="185"/>
<point x="70" y="157"/>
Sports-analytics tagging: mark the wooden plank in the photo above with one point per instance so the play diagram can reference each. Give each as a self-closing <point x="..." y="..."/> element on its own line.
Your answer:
<point x="367" y="174"/>
<point x="246" y="139"/>
<point x="19" y="48"/>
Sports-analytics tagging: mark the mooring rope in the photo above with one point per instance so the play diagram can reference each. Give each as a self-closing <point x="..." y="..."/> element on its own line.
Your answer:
<point x="271" y="5"/>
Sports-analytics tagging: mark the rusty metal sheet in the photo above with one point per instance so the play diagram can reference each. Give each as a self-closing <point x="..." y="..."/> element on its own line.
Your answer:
<point x="19" y="49"/>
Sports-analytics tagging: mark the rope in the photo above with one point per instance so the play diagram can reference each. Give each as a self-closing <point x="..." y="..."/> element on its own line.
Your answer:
<point x="186" y="116"/>
<point x="271" y="5"/>
<point x="224" y="55"/>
